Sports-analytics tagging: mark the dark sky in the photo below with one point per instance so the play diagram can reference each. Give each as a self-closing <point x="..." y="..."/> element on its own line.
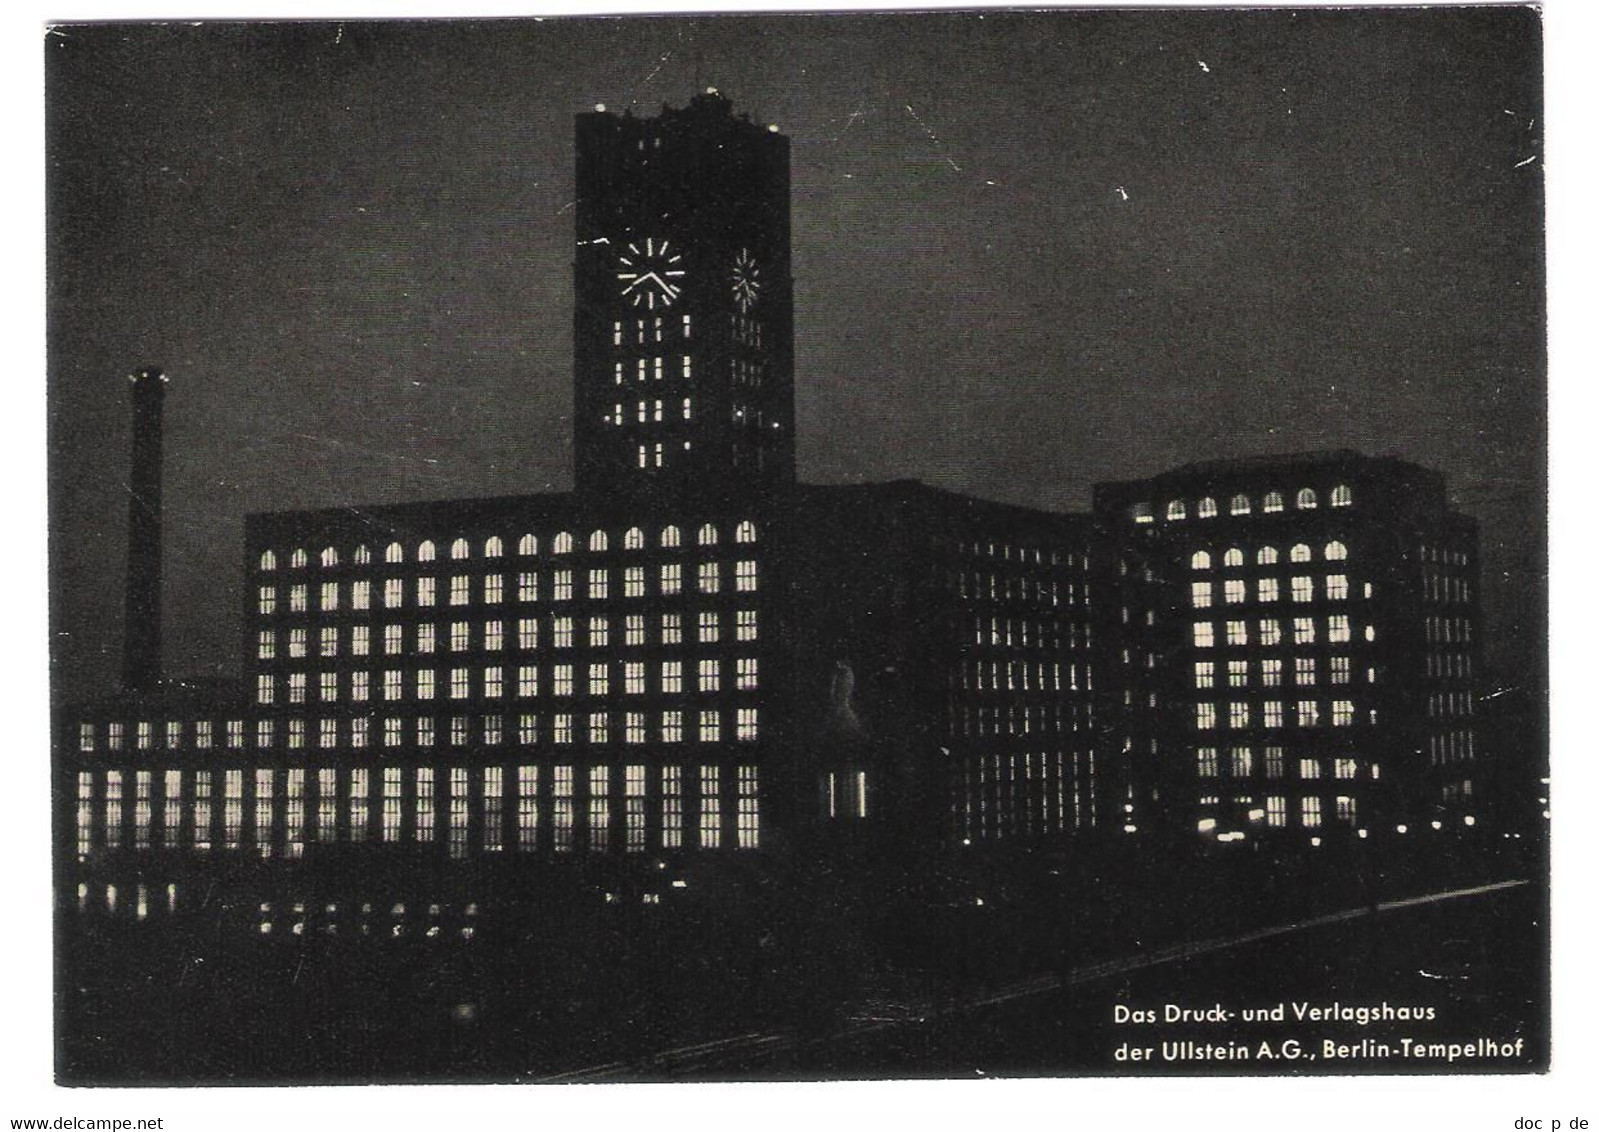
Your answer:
<point x="1031" y="252"/>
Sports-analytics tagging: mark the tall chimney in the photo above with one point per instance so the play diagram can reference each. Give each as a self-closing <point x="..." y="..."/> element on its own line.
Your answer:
<point x="141" y="643"/>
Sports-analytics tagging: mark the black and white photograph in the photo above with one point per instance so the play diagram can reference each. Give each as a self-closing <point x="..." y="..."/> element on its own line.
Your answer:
<point x="798" y="547"/>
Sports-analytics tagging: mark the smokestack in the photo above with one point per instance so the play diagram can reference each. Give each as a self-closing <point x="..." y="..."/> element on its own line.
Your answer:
<point x="141" y="644"/>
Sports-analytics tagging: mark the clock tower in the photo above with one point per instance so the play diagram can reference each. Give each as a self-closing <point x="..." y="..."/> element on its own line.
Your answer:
<point x="684" y="325"/>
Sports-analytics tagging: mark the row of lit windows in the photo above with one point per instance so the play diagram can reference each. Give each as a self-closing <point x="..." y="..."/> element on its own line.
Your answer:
<point x="1307" y="713"/>
<point x="992" y="721"/>
<point x="1451" y="747"/>
<point x="491" y="590"/>
<point x="1241" y="764"/>
<point x="1443" y="556"/>
<point x="671" y="537"/>
<point x="562" y="632"/>
<point x="1306" y="499"/>
<point x="1275" y="812"/>
<point x="1442" y="588"/>
<point x="1023" y="676"/>
<point x="587" y="806"/>
<point x="1269" y="672"/>
<point x="1447" y="630"/>
<point x="645" y="369"/>
<point x="1443" y="705"/>
<point x="1233" y="557"/>
<point x="1020" y="632"/>
<point x="1268" y="632"/>
<point x="983" y="586"/>
<point x="1451" y="664"/>
<point x="674" y="725"/>
<point x="523" y="681"/>
<point x="656" y="412"/>
<point x="1302" y="588"/>
<point x="645" y="330"/>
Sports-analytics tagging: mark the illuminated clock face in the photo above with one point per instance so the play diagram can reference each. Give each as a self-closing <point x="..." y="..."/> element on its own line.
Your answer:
<point x="650" y="273"/>
<point x="746" y="280"/>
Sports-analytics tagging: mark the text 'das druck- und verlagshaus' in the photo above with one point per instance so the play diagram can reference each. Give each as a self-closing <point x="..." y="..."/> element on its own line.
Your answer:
<point x="1304" y="1031"/>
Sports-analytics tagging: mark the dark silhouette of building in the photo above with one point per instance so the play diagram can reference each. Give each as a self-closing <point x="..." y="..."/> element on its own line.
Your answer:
<point x="691" y="655"/>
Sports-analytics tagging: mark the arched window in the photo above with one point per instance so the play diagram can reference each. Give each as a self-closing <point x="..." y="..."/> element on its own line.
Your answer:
<point x="394" y="553"/>
<point x="1233" y="557"/>
<point x="1239" y="505"/>
<point x="1207" y="508"/>
<point x="1273" y="502"/>
<point x="1200" y="560"/>
<point x="460" y="548"/>
<point x="1306" y="500"/>
<point x="363" y="556"/>
<point x="1266" y="556"/>
<point x="1176" y="509"/>
<point x="1335" y="551"/>
<point x="269" y="561"/>
<point x="671" y="536"/>
<point x="599" y="541"/>
<point x="1142" y="513"/>
<point x="708" y="536"/>
<point x="563" y="543"/>
<point x="745" y="532"/>
<point x="633" y="540"/>
<point x="297" y="559"/>
<point x="493" y="547"/>
<point x="1300" y="553"/>
<point x="527" y="544"/>
<point x="330" y="557"/>
<point x="1342" y="496"/>
<point x="426" y="552"/>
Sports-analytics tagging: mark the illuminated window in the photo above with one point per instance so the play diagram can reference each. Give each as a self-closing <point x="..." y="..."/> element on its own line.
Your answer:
<point x="298" y="559"/>
<point x="1303" y="589"/>
<point x="599" y="583"/>
<point x="1306" y="499"/>
<point x="1310" y="812"/>
<point x="328" y="686"/>
<point x="1304" y="630"/>
<point x="1233" y="558"/>
<point x="1200" y="560"/>
<point x="1309" y="713"/>
<point x="710" y="808"/>
<point x="493" y="682"/>
<point x="671" y="578"/>
<point x="1239" y="505"/>
<point x="710" y="676"/>
<point x="1343" y="713"/>
<point x="1233" y="591"/>
<point x="562" y="585"/>
<point x="266" y="646"/>
<point x="747" y="627"/>
<point x="424" y="731"/>
<point x="745" y="532"/>
<point x="1176" y="510"/>
<point x="527" y="586"/>
<point x="1272" y="503"/>
<point x="1206" y="759"/>
<point x="1339" y="666"/>
<point x="1271" y="673"/>
<point x="710" y="726"/>
<point x="748" y="673"/>
<point x="1207" y="508"/>
<point x="671" y="726"/>
<point x="1142" y="513"/>
<point x="527" y="633"/>
<point x="269" y="561"/>
<point x="329" y="597"/>
<point x="1237" y="633"/>
<point x="1338" y="629"/>
<point x="1342" y="496"/>
<point x="1271" y="713"/>
<point x="671" y="537"/>
<point x="527" y="680"/>
<point x="633" y="634"/>
<point x="1243" y="757"/>
<point x="710" y="626"/>
<point x="633" y="581"/>
<point x="562" y="632"/>
<point x="1204" y="674"/>
<point x="599" y="679"/>
<point x="1205" y="716"/>
<point x="1337" y="587"/>
<point x="493" y="635"/>
<point x="425" y="552"/>
<point x="1300" y="553"/>
<point x="599" y="632"/>
<point x="1201" y="595"/>
<point x="744" y="576"/>
<point x="671" y="629"/>
<point x="459" y="815"/>
<point x="563" y="680"/>
<point x="1304" y="670"/>
<point x="527" y="729"/>
<point x="1270" y="631"/>
<point x="424" y="684"/>
<point x="708" y="535"/>
<point x="393" y="640"/>
<point x="361" y="640"/>
<point x="1237" y="673"/>
<point x="1204" y="634"/>
<point x="393" y="593"/>
<point x="1266" y="590"/>
<point x="633" y="539"/>
<point x="263" y="689"/>
<point x="710" y="577"/>
<point x="425" y="804"/>
<point x="671" y="676"/>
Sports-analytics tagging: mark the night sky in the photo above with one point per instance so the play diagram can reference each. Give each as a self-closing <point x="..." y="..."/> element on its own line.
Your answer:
<point x="1030" y="252"/>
